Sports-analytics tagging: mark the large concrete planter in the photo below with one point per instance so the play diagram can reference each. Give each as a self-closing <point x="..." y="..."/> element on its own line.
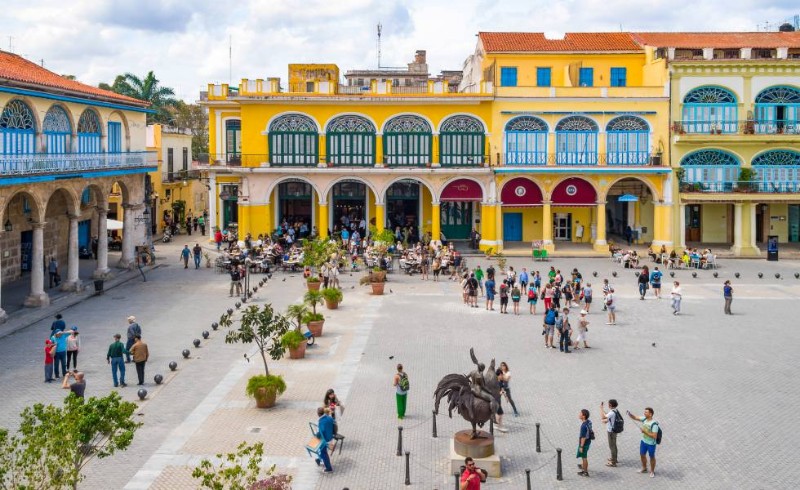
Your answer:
<point x="313" y="286"/>
<point x="377" y="288"/>
<point x="265" y="398"/>
<point x="299" y="352"/>
<point x="315" y="327"/>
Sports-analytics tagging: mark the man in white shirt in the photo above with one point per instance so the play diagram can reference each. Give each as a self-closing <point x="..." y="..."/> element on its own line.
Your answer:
<point x="611" y="304"/>
<point x="609" y="418"/>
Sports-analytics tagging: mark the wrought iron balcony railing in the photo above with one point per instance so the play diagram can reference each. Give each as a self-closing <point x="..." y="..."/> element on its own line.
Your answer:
<point x="48" y="163"/>
<point x="773" y="126"/>
<point x="752" y="186"/>
<point x="180" y="175"/>
<point x="617" y="159"/>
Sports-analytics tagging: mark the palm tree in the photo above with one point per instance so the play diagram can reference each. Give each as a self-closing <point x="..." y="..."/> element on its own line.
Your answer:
<point x="147" y="89"/>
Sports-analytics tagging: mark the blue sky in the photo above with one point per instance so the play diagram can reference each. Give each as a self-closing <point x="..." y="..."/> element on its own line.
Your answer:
<point x="186" y="42"/>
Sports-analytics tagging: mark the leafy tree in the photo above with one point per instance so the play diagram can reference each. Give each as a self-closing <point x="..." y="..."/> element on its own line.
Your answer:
<point x="240" y="471"/>
<point x="194" y="118"/>
<point x="150" y="90"/>
<point x="318" y="251"/>
<point x="54" y="444"/>
<point x="262" y="327"/>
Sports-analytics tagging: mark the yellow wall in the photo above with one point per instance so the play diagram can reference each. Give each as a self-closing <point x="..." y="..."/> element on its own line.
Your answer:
<point x="714" y="222"/>
<point x="777" y="227"/>
<point x="426" y="218"/>
<point x="582" y="215"/>
<point x="559" y="64"/>
<point x="531" y="221"/>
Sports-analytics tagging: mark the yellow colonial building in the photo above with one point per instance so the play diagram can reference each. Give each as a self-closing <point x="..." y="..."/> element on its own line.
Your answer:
<point x="570" y="143"/>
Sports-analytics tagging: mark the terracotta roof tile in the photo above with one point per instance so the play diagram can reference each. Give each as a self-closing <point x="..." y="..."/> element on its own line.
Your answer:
<point x="721" y="40"/>
<point x="17" y="69"/>
<point x="572" y="42"/>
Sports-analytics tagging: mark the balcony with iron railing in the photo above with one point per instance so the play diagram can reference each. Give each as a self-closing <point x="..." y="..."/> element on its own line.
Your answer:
<point x="749" y="186"/>
<point x="272" y="88"/>
<point x="617" y="159"/>
<point x="343" y="161"/>
<point x="50" y="163"/>
<point x="702" y="129"/>
<point x="179" y="175"/>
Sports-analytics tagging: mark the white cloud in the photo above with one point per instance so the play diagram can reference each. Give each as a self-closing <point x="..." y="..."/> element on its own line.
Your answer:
<point x="186" y="43"/>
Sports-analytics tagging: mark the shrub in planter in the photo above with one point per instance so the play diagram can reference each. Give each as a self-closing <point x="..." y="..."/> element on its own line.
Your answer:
<point x="295" y="342"/>
<point x="265" y="389"/>
<point x="333" y="297"/>
<point x="312" y="299"/>
<point x="315" y="322"/>
<point x="313" y="283"/>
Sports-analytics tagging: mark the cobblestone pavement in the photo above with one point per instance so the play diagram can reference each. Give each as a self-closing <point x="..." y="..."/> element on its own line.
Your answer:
<point x="719" y="385"/>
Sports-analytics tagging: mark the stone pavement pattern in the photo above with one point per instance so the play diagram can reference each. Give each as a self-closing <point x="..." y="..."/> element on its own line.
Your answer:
<point x="706" y="378"/>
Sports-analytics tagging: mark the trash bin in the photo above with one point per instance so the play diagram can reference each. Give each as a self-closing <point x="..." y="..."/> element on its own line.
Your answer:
<point x="98" y="286"/>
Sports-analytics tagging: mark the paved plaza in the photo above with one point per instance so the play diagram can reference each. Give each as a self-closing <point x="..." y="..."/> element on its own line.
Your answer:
<point x="721" y="386"/>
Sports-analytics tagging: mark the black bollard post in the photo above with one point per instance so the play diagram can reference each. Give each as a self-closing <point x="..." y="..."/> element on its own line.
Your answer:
<point x="434" y="424"/>
<point x="559" y="473"/>
<point x="455" y="477"/>
<point x="538" y="440"/>
<point x="491" y="426"/>
<point x="399" y="440"/>
<point x="408" y="471"/>
<point x="528" y="478"/>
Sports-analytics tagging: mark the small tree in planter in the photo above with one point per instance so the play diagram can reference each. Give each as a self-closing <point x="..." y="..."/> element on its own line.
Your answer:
<point x="314" y="320"/>
<point x="264" y="328"/>
<point x="315" y="253"/>
<point x="295" y="342"/>
<point x="240" y="471"/>
<point x="333" y="297"/>
<point x="375" y="278"/>
<point x="265" y="389"/>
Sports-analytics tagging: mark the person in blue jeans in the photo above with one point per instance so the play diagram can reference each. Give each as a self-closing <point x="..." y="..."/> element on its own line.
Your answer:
<point x="655" y="282"/>
<point x="325" y="434"/>
<point x="116" y="351"/>
<point x="60" y="359"/>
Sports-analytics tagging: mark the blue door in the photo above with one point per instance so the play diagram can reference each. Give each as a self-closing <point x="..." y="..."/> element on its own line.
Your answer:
<point x="84" y="230"/>
<point x="512" y="227"/>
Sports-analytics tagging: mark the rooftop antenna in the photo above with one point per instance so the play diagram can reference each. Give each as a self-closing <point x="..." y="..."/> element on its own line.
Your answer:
<point x="10" y="44"/>
<point x="230" y="59"/>
<point x="380" y="28"/>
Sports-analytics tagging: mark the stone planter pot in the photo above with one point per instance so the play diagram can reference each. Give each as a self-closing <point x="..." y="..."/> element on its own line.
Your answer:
<point x="377" y="288"/>
<point x="265" y="399"/>
<point x="331" y="305"/>
<point x="313" y="286"/>
<point x="299" y="352"/>
<point x="315" y="327"/>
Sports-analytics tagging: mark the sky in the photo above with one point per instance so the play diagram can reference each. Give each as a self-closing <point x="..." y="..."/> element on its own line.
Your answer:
<point x="186" y="42"/>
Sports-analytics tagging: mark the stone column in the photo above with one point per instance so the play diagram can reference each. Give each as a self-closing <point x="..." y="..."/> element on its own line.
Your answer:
<point x="600" y="243"/>
<point x="637" y="218"/>
<point x="436" y="221"/>
<point x="128" y="240"/>
<point x="37" y="296"/>
<point x="73" y="282"/>
<point x="662" y="225"/>
<point x="547" y="226"/>
<point x="102" y="271"/>
<point x="380" y="216"/>
<point x="3" y="315"/>
<point x="322" y="220"/>
<point x="682" y="226"/>
<point x="211" y="223"/>
<point x="737" y="229"/>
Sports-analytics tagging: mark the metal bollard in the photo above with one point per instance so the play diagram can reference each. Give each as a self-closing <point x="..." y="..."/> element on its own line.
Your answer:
<point x="399" y="440"/>
<point x="455" y="477"/>
<point x="434" y="424"/>
<point x="528" y="478"/>
<point x="408" y="471"/>
<point x="538" y="442"/>
<point x="491" y="426"/>
<point x="559" y="473"/>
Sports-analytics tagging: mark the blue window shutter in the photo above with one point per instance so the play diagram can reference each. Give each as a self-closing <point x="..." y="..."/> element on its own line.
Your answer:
<point x="619" y="77"/>
<point x="114" y="137"/>
<point x="586" y="78"/>
<point x="543" y="76"/>
<point x="508" y="76"/>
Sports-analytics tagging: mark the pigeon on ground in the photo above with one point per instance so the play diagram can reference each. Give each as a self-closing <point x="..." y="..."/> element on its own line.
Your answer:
<point x="390" y="290"/>
<point x="391" y="357"/>
<point x="352" y="287"/>
<point x="654" y="344"/>
<point x="284" y="280"/>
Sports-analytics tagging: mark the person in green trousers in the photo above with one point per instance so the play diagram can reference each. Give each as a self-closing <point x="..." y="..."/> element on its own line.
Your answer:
<point x="401" y="385"/>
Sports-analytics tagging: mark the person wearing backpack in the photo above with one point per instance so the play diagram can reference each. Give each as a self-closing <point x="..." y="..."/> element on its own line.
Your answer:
<point x="564" y="330"/>
<point x="585" y="438"/>
<point x="651" y="436"/>
<point x="533" y="298"/>
<point x="516" y="294"/>
<point x="615" y="424"/>
<point x="549" y="326"/>
<point x="236" y="280"/>
<point x="402" y="386"/>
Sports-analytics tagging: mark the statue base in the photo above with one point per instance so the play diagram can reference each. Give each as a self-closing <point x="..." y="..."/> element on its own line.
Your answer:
<point x="480" y="447"/>
<point x="490" y="463"/>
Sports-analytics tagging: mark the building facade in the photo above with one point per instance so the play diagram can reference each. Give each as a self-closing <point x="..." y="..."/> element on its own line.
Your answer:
<point x="569" y="143"/>
<point x="67" y="152"/>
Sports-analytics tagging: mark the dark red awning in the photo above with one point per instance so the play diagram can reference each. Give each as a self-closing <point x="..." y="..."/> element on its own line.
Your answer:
<point x="574" y="191"/>
<point x="520" y="192"/>
<point x="462" y="190"/>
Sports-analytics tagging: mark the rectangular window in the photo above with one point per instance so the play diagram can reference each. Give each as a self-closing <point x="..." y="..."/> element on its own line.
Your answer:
<point x="618" y="77"/>
<point x="586" y="77"/>
<point x="170" y="162"/>
<point x="185" y="158"/>
<point x="114" y="137"/>
<point x="543" y="76"/>
<point x="508" y="76"/>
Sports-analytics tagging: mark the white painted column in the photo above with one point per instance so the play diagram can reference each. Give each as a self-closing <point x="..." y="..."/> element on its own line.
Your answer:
<point x="212" y="205"/>
<point x="127" y="259"/>
<point x="73" y="282"/>
<point x="37" y="296"/>
<point x="737" y="227"/>
<point x="102" y="271"/>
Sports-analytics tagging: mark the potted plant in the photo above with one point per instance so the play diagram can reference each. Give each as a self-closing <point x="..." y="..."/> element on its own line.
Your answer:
<point x="314" y="320"/>
<point x="746" y="180"/>
<point x="313" y="283"/>
<point x="332" y="297"/>
<point x="265" y="389"/>
<point x="295" y="342"/>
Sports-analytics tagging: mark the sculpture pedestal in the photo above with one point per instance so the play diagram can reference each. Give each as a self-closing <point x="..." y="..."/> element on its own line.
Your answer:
<point x="480" y="449"/>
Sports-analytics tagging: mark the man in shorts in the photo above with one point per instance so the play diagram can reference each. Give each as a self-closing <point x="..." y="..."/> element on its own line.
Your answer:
<point x="611" y="304"/>
<point x="584" y="442"/>
<point x="647" y="446"/>
<point x="549" y="326"/>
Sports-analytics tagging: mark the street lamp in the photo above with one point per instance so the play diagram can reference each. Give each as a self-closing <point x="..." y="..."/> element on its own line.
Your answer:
<point x="8" y="226"/>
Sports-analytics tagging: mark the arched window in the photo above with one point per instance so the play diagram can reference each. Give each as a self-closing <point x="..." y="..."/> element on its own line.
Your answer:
<point x="778" y="170"/>
<point x="462" y="141"/>
<point x="407" y="140"/>
<point x="778" y="110"/>
<point x="57" y="131"/>
<point x="18" y="129"/>
<point x="627" y="141"/>
<point x="89" y="132"/>
<point x="526" y="141"/>
<point x="710" y="109"/>
<point x="293" y="140"/>
<point x="576" y="141"/>
<point x="710" y="170"/>
<point x="350" y="141"/>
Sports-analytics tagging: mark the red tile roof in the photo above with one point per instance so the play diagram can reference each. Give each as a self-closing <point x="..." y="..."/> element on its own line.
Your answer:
<point x="720" y="40"/>
<point x="572" y="42"/>
<point x="17" y="69"/>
